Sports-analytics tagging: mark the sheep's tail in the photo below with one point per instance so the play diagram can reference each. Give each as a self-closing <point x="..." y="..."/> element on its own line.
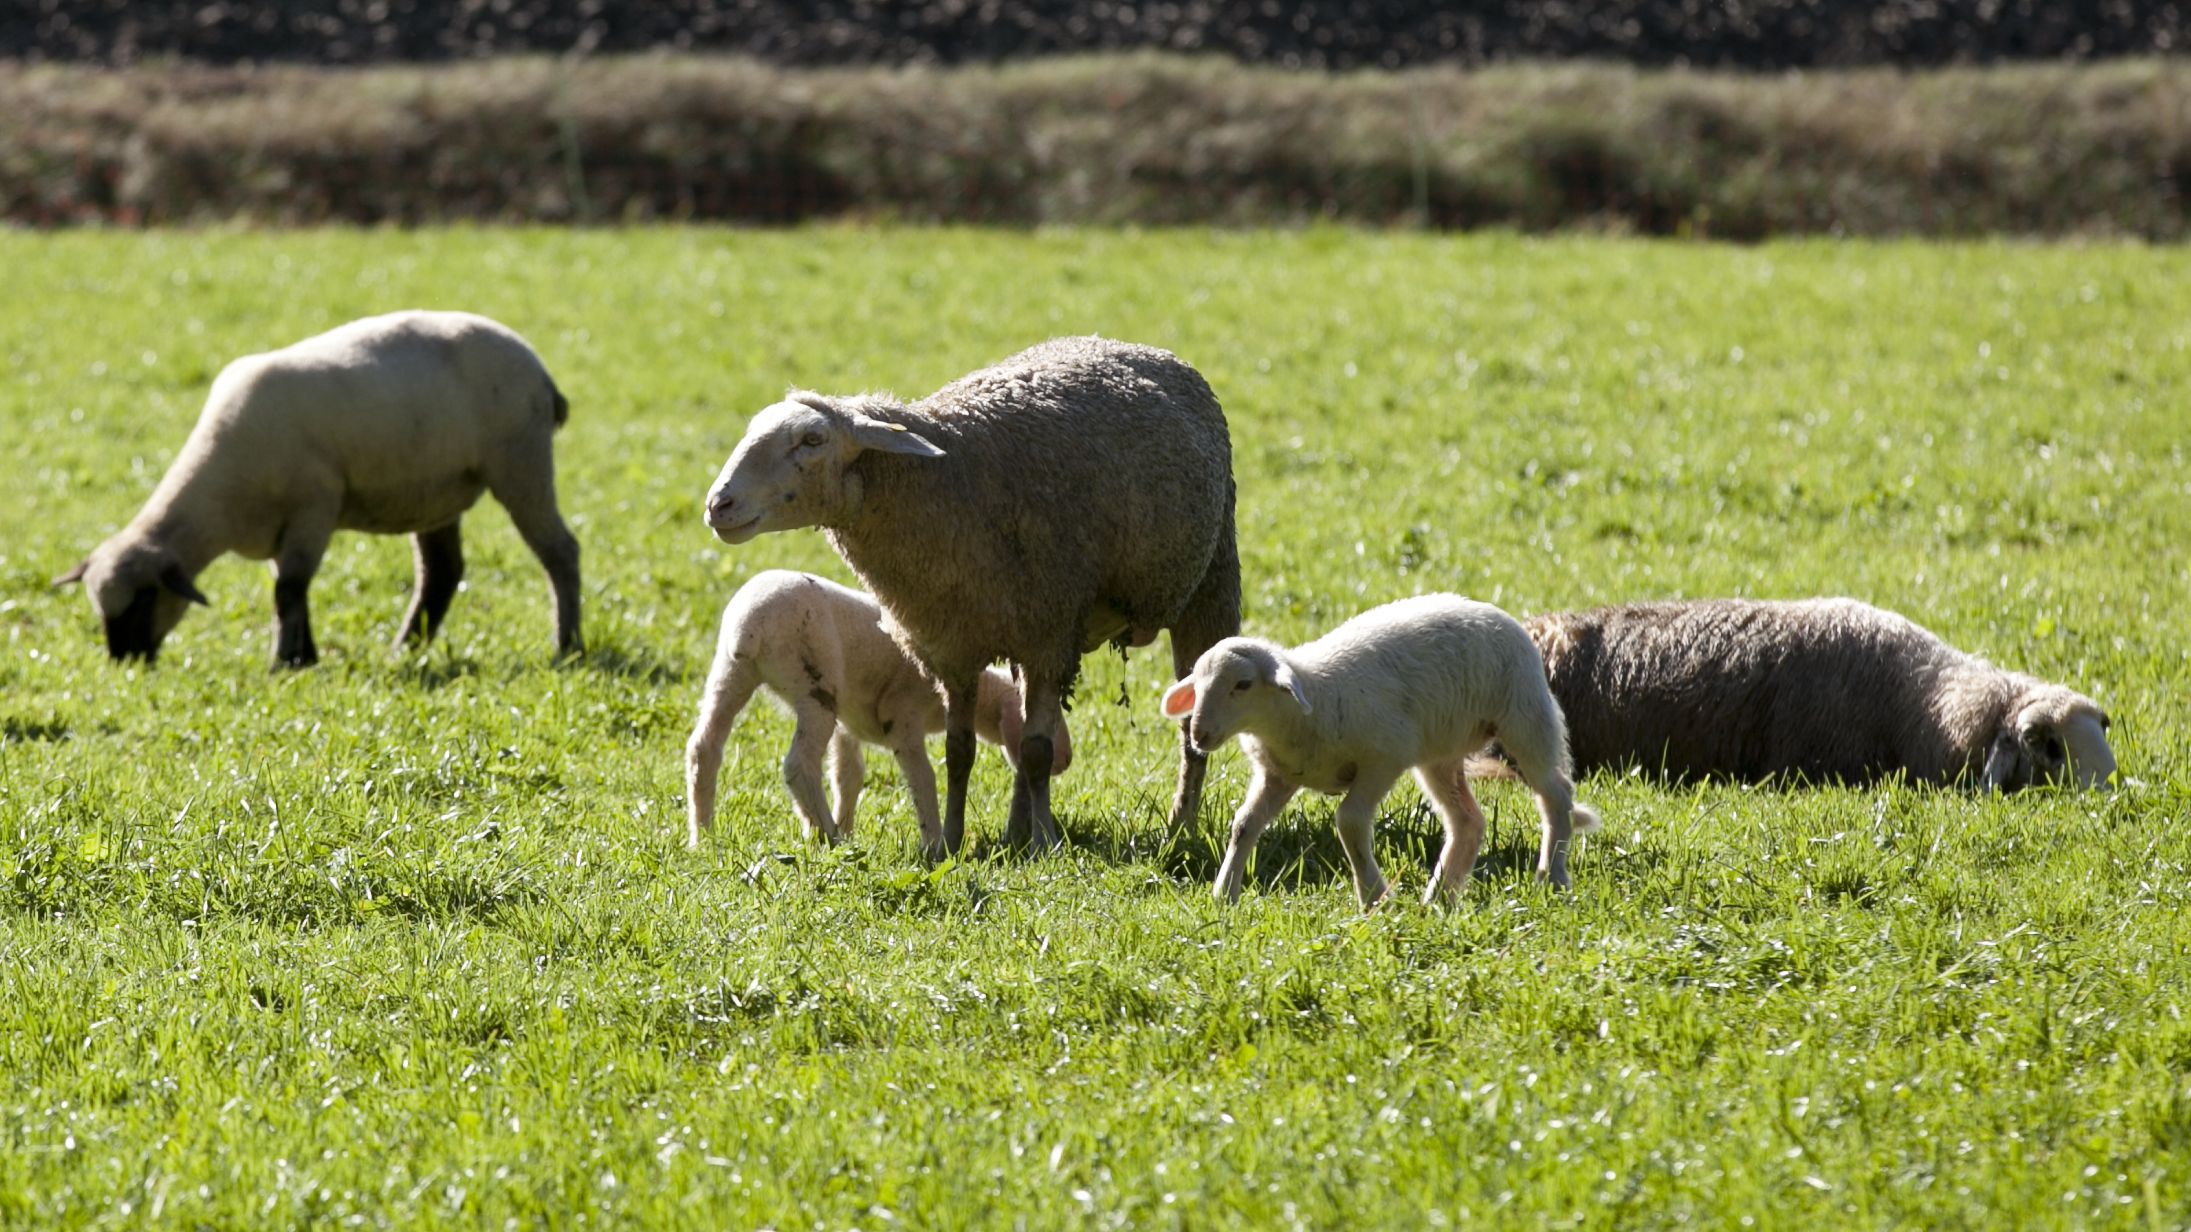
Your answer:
<point x="1586" y="818"/>
<point x="561" y="404"/>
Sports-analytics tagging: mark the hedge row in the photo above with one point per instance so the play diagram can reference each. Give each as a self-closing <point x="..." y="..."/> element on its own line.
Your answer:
<point x="1752" y="34"/>
<point x="2034" y="149"/>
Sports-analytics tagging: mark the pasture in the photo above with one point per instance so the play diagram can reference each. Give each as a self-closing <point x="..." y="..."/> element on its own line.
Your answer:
<point x="414" y="940"/>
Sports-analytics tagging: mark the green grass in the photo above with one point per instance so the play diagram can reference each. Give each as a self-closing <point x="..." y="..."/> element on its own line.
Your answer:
<point x="415" y="940"/>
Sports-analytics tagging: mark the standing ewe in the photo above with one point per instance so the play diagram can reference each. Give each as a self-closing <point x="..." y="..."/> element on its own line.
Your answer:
<point x="1075" y="494"/>
<point x="1820" y="689"/>
<point x="393" y="424"/>
<point x="1420" y="683"/>
<point x="821" y="649"/>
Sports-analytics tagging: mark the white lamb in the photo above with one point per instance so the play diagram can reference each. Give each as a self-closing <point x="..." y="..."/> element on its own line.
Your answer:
<point x="822" y="650"/>
<point x="1421" y="684"/>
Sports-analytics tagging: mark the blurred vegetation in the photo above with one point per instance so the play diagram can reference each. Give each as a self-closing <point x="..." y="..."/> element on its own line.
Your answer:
<point x="2052" y="149"/>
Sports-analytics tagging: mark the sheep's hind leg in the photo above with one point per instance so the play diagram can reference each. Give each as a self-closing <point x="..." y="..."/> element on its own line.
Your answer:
<point x="847" y="766"/>
<point x="524" y="482"/>
<point x="920" y="783"/>
<point x="439" y="555"/>
<point x="1031" y="820"/>
<point x="958" y="757"/>
<point x="1446" y="784"/>
<point x="1357" y="818"/>
<point x="1211" y="616"/>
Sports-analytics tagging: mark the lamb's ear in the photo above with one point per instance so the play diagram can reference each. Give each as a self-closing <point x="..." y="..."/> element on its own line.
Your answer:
<point x="178" y="582"/>
<point x="1284" y="678"/>
<point x="2006" y="767"/>
<point x="884" y="437"/>
<point x="1179" y="699"/>
<point x="74" y="575"/>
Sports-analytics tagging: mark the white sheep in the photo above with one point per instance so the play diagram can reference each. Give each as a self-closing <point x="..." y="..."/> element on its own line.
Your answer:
<point x="1075" y="494"/>
<point x="821" y="649"/>
<point x="1825" y="690"/>
<point x="393" y="424"/>
<point x="1422" y="684"/>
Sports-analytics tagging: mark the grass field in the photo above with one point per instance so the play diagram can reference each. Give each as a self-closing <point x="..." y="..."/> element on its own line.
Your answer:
<point x="415" y="941"/>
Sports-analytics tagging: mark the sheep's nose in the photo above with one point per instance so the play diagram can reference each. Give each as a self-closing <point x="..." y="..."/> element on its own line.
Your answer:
<point x="720" y="507"/>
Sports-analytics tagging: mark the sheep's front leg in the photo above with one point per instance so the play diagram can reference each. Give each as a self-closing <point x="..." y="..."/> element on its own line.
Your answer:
<point x="731" y="682"/>
<point x="1266" y="798"/>
<point x="803" y="768"/>
<point x="847" y="766"/>
<point x="296" y="559"/>
<point x="1447" y="786"/>
<point x="958" y="757"/>
<point x="1031" y="820"/>
<point x="439" y="556"/>
<point x="1357" y="817"/>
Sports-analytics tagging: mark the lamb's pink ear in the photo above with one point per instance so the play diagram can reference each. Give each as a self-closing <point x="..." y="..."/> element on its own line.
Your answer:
<point x="1285" y="679"/>
<point x="74" y="575"/>
<point x="1179" y="699"/>
<point x="884" y="437"/>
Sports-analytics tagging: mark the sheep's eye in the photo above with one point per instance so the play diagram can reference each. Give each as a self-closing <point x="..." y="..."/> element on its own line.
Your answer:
<point x="811" y="440"/>
<point x="1241" y="687"/>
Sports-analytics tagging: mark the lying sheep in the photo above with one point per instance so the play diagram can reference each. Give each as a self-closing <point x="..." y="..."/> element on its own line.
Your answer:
<point x="393" y="424"/>
<point x="1420" y="683"/>
<point x="821" y="649"/>
<point x="1818" y="689"/>
<point x="1075" y="494"/>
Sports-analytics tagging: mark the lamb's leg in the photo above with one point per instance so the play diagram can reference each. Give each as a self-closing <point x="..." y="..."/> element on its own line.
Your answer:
<point x="847" y="764"/>
<point x="1537" y="751"/>
<point x="920" y="783"/>
<point x="803" y="768"/>
<point x="731" y="682"/>
<point x="296" y="558"/>
<point x="523" y="480"/>
<point x="1446" y="784"/>
<point x="439" y="555"/>
<point x="958" y="757"/>
<point x="1556" y="803"/>
<point x="1211" y="616"/>
<point x="1031" y="820"/>
<point x="1357" y="818"/>
<point x="1266" y="798"/>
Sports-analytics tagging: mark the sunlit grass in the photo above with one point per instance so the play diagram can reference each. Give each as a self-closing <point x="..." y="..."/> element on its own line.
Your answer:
<point x="416" y="940"/>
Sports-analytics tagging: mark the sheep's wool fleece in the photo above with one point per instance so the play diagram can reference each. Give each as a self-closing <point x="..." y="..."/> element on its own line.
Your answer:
<point x="1084" y="492"/>
<point x="1818" y="689"/>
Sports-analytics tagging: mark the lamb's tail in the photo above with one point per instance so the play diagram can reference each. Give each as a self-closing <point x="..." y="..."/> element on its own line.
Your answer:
<point x="561" y="404"/>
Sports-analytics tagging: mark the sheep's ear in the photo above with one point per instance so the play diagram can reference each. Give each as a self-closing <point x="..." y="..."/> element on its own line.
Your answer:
<point x="178" y="582"/>
<point x="1285" y="679"/>
<point x="1179" y="699"/>
<point x="886" y="437"/>
<point x="74" y="575"/>
<point x="2005" y="765"/>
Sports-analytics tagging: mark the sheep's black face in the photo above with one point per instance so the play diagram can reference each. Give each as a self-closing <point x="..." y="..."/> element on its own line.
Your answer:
<point x="133" y="632"/>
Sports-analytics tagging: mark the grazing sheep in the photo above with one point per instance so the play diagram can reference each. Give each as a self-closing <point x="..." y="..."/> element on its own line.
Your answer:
<point x="1075" y="494"/>
<point x="821" y="649"/>
<point x="1818" y="689"/>
<point x="393" y="424"/>
<point x="1421" y="683"/>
